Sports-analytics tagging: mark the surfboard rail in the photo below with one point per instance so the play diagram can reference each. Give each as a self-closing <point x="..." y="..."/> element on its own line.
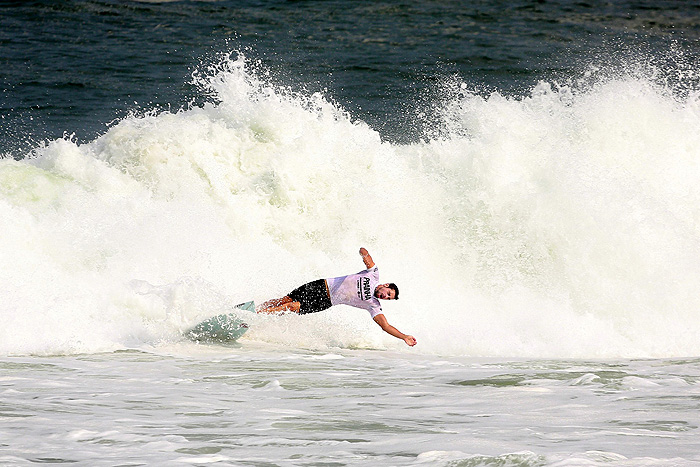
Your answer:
<point x="221" y="329"/>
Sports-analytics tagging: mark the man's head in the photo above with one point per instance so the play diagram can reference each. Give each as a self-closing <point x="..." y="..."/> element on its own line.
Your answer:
<point x="387" y="292"/>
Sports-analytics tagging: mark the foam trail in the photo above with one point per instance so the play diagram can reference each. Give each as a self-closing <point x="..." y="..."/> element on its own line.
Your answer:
<point x="560" y="224"/>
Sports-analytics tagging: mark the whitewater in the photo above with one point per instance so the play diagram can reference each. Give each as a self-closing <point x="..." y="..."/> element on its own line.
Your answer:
<point x="560" y="224"/>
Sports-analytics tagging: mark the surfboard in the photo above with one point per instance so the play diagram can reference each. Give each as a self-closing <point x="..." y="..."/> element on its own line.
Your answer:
<point x="221" y="329"/>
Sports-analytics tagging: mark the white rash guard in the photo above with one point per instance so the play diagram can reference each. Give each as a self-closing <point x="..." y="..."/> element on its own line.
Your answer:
<point x="356" y="290"/>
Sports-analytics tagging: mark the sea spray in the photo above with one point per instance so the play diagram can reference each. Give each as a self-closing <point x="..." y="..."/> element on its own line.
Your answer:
<point x="563" y="223"/>
<point x="587" y="199"/>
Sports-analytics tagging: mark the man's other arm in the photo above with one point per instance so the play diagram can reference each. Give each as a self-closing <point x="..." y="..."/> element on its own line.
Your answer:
<point x="380" y="319"/>
<point x="369" y="263"/>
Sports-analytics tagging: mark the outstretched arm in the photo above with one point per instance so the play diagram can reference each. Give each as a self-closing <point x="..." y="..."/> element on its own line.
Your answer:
<point x="366" y="258"/>
<point x="380" y="319"/>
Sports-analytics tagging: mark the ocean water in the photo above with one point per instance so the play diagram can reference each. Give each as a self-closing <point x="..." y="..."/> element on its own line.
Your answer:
<point x="267" y="405"/>
<point x="526" y="172"/>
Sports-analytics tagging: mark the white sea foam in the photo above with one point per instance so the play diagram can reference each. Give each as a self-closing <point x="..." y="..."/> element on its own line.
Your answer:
<point x="560" y="224"/>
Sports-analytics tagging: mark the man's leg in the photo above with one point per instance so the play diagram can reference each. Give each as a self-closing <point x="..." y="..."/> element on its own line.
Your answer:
<point x="279" y="305"/>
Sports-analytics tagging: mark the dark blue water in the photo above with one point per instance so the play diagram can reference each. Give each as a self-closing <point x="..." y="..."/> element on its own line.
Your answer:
<point x="73" y="67"/>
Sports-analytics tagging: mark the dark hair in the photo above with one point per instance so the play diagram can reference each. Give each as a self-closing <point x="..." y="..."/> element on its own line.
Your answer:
<point x="393" y="287"/>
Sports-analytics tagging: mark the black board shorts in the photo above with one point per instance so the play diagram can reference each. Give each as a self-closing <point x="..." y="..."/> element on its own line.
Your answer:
<point x="313" y="297"/>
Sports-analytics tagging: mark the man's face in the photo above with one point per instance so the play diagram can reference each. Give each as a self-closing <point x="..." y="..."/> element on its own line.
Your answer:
<point x="383" y="292"/>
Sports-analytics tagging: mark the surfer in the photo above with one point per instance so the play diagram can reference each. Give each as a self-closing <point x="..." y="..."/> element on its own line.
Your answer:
<point x="361" y="290"/>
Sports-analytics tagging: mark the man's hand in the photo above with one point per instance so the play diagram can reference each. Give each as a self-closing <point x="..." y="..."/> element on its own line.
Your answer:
<point x="410" y="340"/>
<point x="369" y="263"/>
